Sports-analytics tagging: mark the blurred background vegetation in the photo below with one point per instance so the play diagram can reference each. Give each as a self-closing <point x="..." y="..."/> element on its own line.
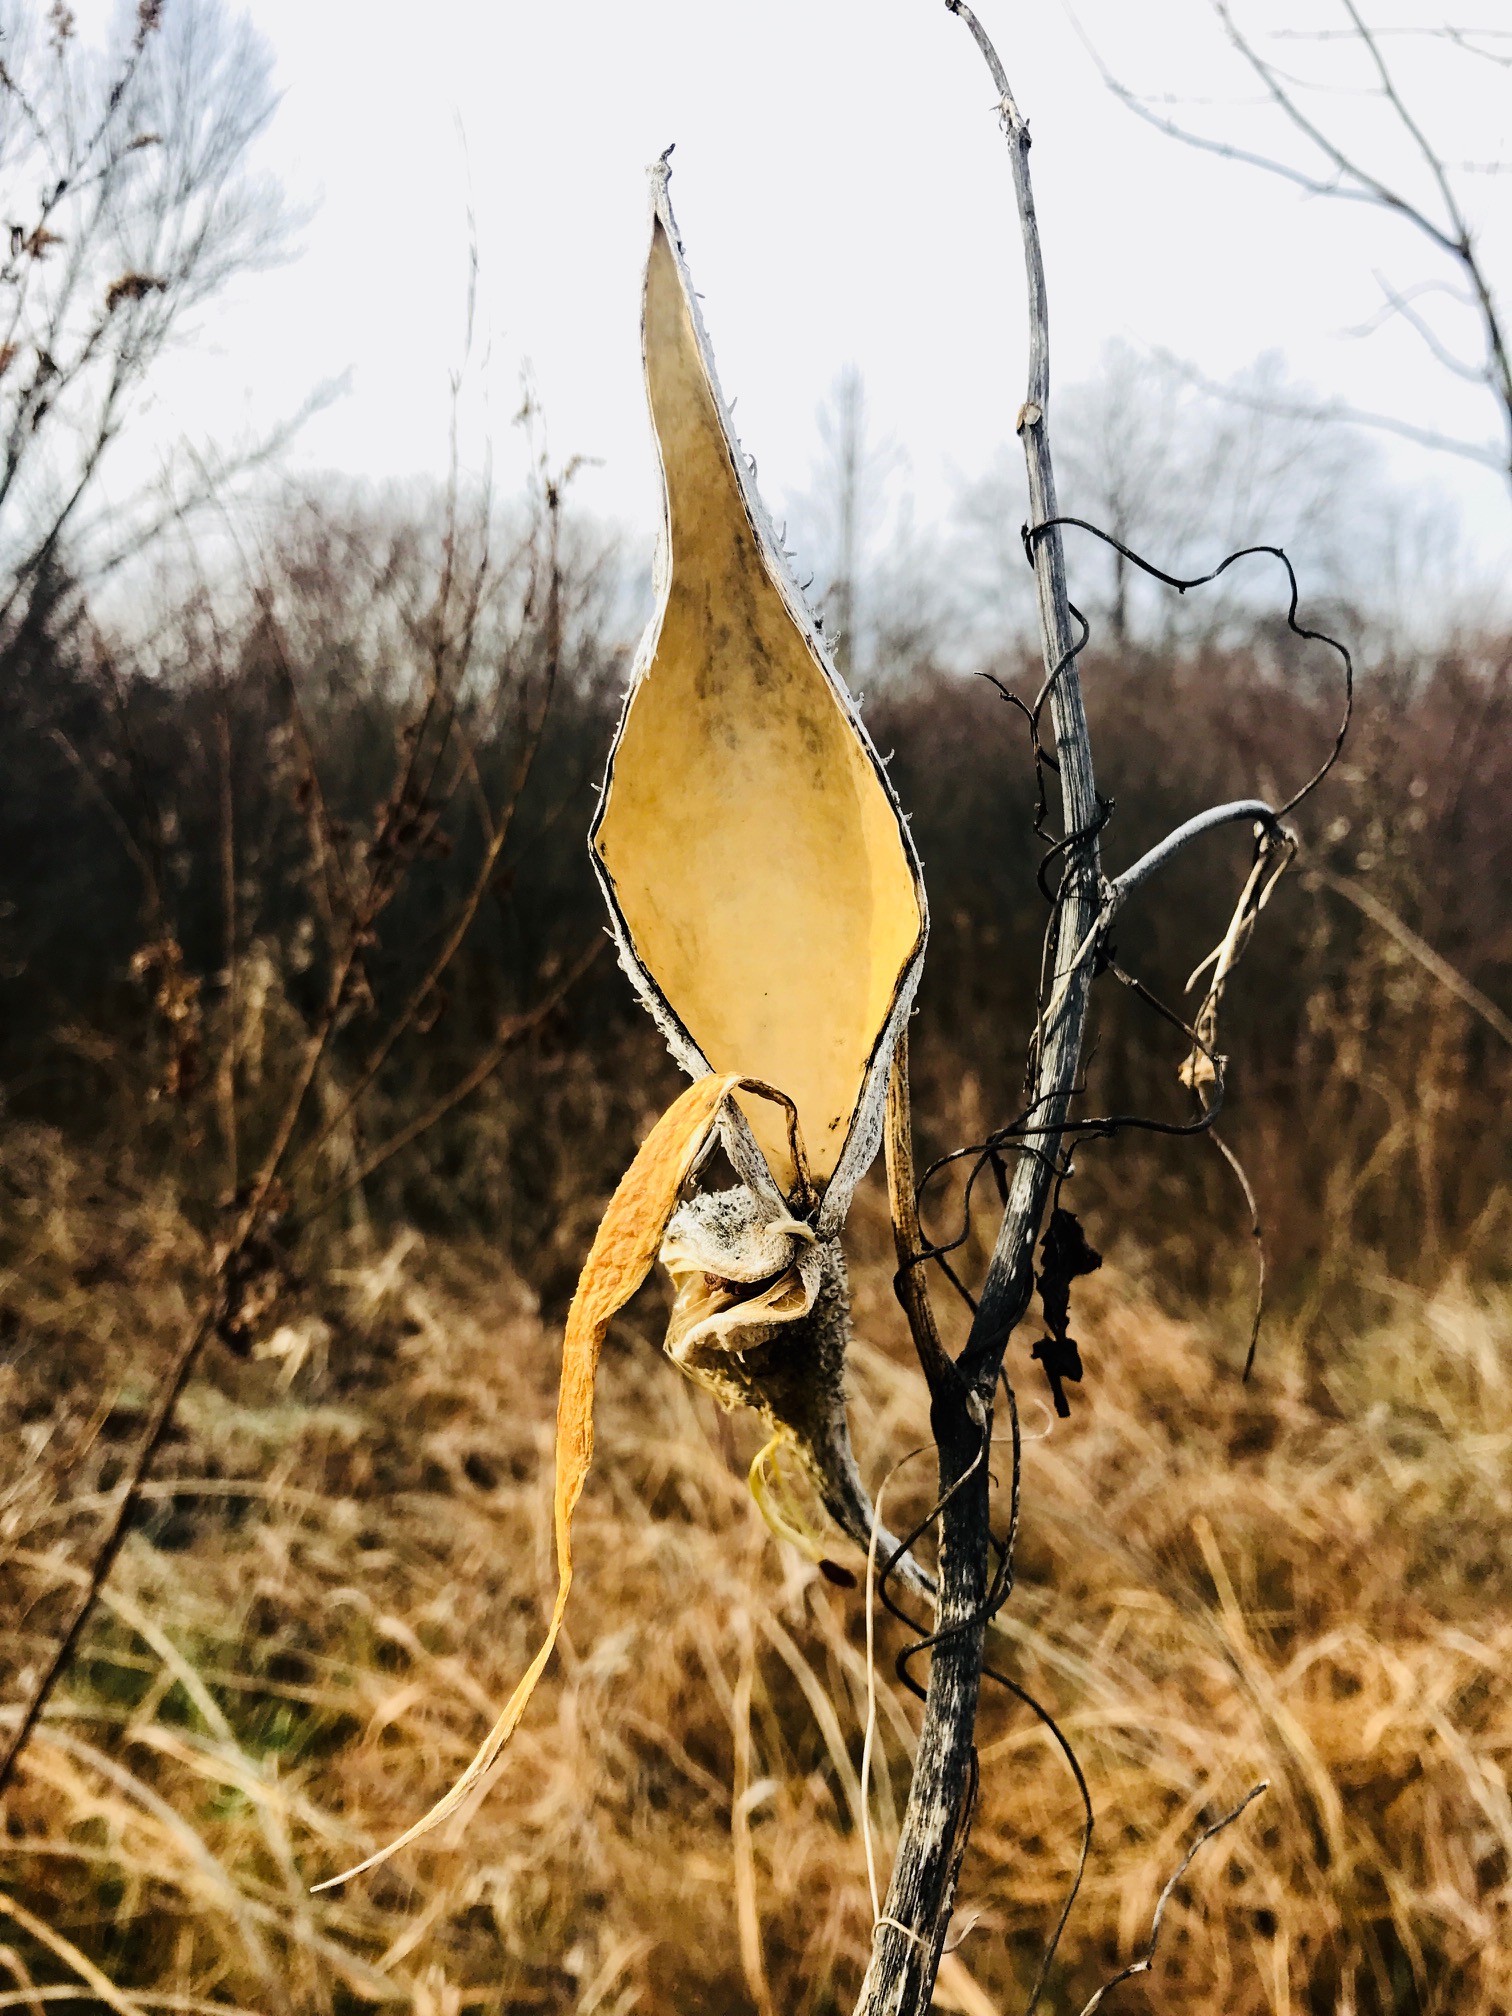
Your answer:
<point x="307" y="1020"/>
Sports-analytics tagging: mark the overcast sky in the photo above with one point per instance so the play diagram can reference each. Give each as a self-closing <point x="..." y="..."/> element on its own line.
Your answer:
<point x="844" y="196"/>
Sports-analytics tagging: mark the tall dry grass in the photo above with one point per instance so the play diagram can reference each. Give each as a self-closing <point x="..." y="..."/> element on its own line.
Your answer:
<point x="343" y="1564"/>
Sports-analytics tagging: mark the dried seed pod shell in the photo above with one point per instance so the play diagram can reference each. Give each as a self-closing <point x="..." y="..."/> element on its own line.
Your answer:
<point x="761" y="1319"/>
<point x="764" y="890"/>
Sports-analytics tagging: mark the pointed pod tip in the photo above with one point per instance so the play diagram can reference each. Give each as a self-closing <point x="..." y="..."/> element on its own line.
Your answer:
<point x="701" y="775"/>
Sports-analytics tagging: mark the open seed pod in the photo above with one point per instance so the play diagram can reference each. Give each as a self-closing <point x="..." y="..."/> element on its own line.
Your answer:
<point x="768" y="906"/>
<point x="764" y="891"/>
<point x="767" y="903"/>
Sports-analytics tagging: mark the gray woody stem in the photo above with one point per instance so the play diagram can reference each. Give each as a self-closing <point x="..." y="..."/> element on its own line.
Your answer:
<point x="1254" y="810"/>
<point x="1116" y="893"/>
<point x="909" y="1936"/>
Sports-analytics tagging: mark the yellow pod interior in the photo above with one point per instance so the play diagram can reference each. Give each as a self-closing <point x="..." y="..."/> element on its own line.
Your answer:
<point x="756" y="856"/>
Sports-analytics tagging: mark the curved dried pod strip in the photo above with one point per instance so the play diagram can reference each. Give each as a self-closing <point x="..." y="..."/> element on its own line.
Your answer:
<point x="622" y="1254"/>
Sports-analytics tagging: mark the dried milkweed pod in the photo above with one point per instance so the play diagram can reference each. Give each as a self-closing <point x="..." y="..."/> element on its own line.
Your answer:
<point x="768" y="906"/>
<point x="765" y="894"/>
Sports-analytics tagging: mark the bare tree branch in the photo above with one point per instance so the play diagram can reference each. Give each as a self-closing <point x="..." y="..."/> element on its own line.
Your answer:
<point x="1466" y="39"/>
<point x="1242" y="809"/>
<point x="508" y="1035"/>
<point x="1400" y="303"/>
<point x="148" y="207"/>
<point x="910" y="1282"/>
<point x="1350" y="178"/>
<point x="1449" y="977"/>
<point x="911" y="1932"/>
<point x="1486" y="453"/>
<point x="1146" y="1959"/>
<point x="118" y="1524"/>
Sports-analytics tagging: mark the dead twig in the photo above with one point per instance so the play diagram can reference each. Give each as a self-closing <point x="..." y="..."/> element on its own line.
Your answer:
<point x="1147" y="1959"/>
<point x="1348" y="177"/>
<point x="118" y="1522"/>
<point x="487" y="1064"/>
<point x="910" y="1283"/>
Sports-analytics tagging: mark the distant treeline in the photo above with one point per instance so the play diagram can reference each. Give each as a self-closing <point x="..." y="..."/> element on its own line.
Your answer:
<point x="177" y="820"/>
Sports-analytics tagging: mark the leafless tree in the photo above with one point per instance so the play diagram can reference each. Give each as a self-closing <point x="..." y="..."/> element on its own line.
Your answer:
<point x="1182" y="470"/>
<point x="130" y="201"/>
<point x="1414" y="178"/>
<point x="876" y="577"/>
<point x="843" y="428"/>
<point x="470" y="641"/>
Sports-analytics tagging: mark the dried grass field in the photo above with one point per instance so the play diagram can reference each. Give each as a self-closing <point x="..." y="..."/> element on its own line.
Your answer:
<point x="343" y="1564"/>
<point x="316" y="1078"/>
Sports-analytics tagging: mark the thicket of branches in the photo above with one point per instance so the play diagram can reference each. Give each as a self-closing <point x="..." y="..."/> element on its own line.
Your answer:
<point x="133" y="199"/>
<point x="163" y="797"/>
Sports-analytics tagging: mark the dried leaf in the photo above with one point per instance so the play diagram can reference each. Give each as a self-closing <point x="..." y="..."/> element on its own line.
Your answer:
<point x="1066" y="1254"/>
<point x="132" y="287"/>
<point x="619" y="1260"/>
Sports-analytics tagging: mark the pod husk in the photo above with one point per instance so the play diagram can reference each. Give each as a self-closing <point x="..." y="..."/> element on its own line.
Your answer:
<point x="764" y="891"/>
<point x="768" y="905"/>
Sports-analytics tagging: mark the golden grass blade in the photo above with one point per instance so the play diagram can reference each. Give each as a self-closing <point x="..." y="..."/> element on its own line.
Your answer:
<point x="956" y="1981"/>
<point x="623" y="1251"/>
<point x="743" y="1795"/>
<point x="27" y="1995"/>
<point x="205" y="1877"/>
<point x="102" y="1987"/>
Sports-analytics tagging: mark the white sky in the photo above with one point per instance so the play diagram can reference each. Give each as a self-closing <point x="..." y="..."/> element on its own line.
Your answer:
<point x="843" y="193"/>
